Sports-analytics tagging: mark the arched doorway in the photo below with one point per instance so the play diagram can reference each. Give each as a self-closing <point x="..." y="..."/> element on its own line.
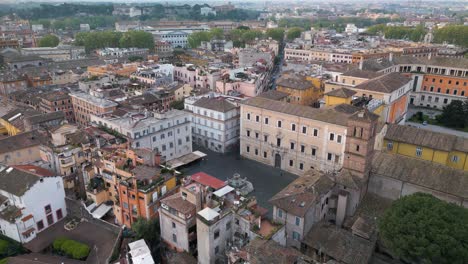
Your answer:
<point x="277" y="160"/>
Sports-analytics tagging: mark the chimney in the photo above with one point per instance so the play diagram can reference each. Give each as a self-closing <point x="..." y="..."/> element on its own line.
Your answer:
<point x="361" y="62"/>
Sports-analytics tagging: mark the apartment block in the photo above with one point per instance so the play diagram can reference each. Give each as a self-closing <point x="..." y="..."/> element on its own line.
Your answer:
<point x="85" y="105"/>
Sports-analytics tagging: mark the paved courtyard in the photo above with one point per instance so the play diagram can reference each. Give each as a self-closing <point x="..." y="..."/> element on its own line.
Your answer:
<point x="266" y="180"/>
<point x="94" y="236"/>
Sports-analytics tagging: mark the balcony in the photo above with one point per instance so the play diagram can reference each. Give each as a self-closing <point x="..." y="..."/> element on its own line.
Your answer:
<point x="66" y="162"/>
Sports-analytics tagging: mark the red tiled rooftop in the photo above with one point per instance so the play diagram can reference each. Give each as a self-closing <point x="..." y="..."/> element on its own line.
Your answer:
<point x="35" y="170"/>
<point x="208" y="180"/>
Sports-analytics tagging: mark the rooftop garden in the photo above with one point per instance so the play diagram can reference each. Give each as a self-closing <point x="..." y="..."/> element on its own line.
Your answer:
<point x="70" y="248"/>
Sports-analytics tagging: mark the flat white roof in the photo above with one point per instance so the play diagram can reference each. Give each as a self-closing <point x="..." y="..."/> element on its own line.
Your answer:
<point x="208" y="213"/>
<point x="140" y="252"/>
<point x="101" y="211"/>
<point x="223" y="191"/>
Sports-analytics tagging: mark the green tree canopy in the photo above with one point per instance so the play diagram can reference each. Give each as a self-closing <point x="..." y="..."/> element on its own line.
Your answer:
<point x="293" y="33"/>
<point x="49" y="41"/>
<point x="103" y="39"/>
<point x="276" y="34"/>
<point x="196" y="38"/>
<point x="454" y="34"/>
<point x="423" y="229"/>
<point x="455" y="114"/>
<point x="149" y="231"/>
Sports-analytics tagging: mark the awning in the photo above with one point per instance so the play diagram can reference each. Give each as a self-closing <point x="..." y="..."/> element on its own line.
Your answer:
<point x="101" y="211"/>
<point x="185" y="159"/>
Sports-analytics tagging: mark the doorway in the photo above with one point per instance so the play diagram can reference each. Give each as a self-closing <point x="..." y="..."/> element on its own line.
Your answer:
<point x="277" y="160"/>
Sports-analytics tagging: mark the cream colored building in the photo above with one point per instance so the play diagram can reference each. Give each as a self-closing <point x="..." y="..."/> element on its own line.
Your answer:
<point x="294" y="138"/>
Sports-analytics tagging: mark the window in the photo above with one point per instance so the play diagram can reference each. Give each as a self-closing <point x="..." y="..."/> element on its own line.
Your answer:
<point x="174" y="238"/>
<point x="291" y="163"/>
<point x="302" y="148"/>
<point x="257" y="118"/>
<point x="216" y="249"/>
<point x="304" y="130"/>
<point x="256" y="135"/>
<point x="266" y="120"/>
<point x="173" y="225"/>
<point x="278" y="142"/>
<point x="298" y="221"/>
<point x="279" y="123"/>
<point x="248" y="133"/>
<point x="248" y="116"/>
<point x="40" y="225"/>
<point x="390" y="145"/>
<point x="455" y="158"/>
<point x="228" y="225"/>
<point x="357" y="148"/>
<point x="265" y="138"/>
<point x="329" y="156"/>
<point x="314" y="152"/>
<point x="332" y="136"/>
<point x="216" y="234"/>
<point x="48" y="209"/>
<point x="296" y="235"/>
<point x="301" y="166"/>
<point x="247" y="149"/>
<point x="256" y="152"/>
<point x="315" y="132"/>
<point x="338" y="138"/>
<point x="292" y="145"/>
<point x="280" y="213"/>
<point x="445" y="100"/>
<point x="418" y="151"/>
<point x="265" y="154"/>
<point x="293" y="127"/>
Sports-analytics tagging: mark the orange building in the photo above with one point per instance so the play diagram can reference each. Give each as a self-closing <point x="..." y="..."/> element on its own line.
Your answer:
<point x="440" y="90"/>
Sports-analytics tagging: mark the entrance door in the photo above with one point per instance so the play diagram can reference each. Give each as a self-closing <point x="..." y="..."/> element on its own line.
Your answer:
<point x="277" y="160"/>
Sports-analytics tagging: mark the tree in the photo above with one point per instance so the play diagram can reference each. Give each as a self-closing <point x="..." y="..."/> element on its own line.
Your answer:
<point x="454" y="114"/>
<point x="420" y="228"/>
<point x="276" y="34"/>
<point x="293" y="33"/>
<point x="150" y="232"/>
<point x="49" y="41"/>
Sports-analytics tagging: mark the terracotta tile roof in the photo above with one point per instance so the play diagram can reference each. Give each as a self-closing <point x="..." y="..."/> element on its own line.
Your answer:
<point x="363" y="74"/>
<point x="208" y="180"/>
<point x="338" y="114"/>
<point x="216" y="104"/>
<point x="180" y="204"/>
<point x="36" y="170"/>
<point x="17" y="181"/>
<point x="340" y="244"/>
<point x="422" y="173"/>
<point x="386" y="83"/>
<point x="273" y="95"/>
<point x="21" y="141"/>
<point x="294" y="82"/>
<point x="342" y="93"/>
<point x="426" y="138"/>
<point x="302" y="193"/>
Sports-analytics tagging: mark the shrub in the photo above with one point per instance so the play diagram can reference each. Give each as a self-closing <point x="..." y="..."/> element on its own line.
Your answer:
<point x="71" y="248"/>
<point x="4" y="247"/>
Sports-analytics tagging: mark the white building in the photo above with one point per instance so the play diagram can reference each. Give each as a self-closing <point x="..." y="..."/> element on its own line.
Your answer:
<point x="168" y="132"/>
<point x="205" y="11"/>
<point x="122" y="52"/>
<point x="85" y="27"/>
<point x="215" y="121"/>
<point x="139" y="253"/>
<point x="176" y="36"/>
<point x="351" y="29"/>
<point x="31" y="200"/>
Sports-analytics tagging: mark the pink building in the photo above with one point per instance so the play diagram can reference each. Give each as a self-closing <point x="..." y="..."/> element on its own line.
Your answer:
<point x="197" y="77"/>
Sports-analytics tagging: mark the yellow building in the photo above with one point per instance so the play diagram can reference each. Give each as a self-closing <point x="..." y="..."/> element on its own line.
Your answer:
<point x="301" y="89"/>
<point x="339" y="96"/>
<point x="13" y="121"/>
<point x="440" y="148"/>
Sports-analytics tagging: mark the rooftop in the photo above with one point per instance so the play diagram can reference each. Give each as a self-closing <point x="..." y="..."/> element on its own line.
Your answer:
<point x="386" y="83"/>
<point x="18" y="181"/>
<point x="363" y="74"/>
<point x="179" y="203"/>
<point x="20" y="141"/>
<point x="273" y="95"/>
<point x="101" y="102"/>
<point x="427" y="174"/>
<point x="302" y="193"/>
<point x="335" y="115"/>
<point x="294" y="82"/>
<point x="342" y="93"/>
<point x="219" y="104"/>
<point x="426" y="138"/>
<point x="208" y="180"/>
<point x="261" y="251"/>
<point x="339" y="244"/>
